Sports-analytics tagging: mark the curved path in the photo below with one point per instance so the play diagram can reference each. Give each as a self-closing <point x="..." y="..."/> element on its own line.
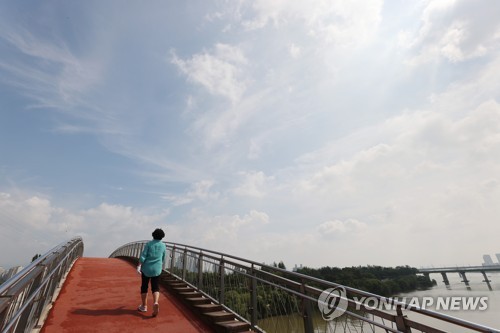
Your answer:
<point x="102" y="295"/>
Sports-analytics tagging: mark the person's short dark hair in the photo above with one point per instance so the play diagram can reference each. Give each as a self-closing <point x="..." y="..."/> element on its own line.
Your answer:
<point x="158" y="234"/>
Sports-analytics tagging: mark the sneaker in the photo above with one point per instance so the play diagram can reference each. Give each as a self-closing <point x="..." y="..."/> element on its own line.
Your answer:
<point x="156" y="308"/>
<point x="142" y="308"/>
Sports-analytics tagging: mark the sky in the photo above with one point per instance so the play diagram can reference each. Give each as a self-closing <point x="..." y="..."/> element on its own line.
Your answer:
<point x="322" y="133"/>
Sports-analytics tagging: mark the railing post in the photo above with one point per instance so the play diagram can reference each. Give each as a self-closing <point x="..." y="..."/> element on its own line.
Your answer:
<point x="184" y="264"/>
<point x="306" y="311"/>
<point x="400" y="320"/>
<point x="25" y="316"/>
<point x="6" y="311"/>
<point x="172" y="260"/>
<point x="200" y="270"/>
<point x="221" y="283"/>
<point x="253" y="306"/>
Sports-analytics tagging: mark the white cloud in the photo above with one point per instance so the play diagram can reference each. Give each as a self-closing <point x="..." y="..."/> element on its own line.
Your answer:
<point x="35" y="212"/>
<point x="219" y="71"/>
<point x="420" y="138"/>
<point x="333" y="227"/>
<point x="39" y="225"/>
<point x="324" y="131"/>
<point x="435" y="174"/>
<point x="454" y="30"/>
<point x="55" y="77"/>
<point x="254" y="184"/>
<point x="294" y="51"/>
<point x="465" y="95"/>
<point x="199" y="191"/>
<point x="335" y="22"/>
<point x="228" y="10"/>
<point x="254" y="150"/>
<point x="224" y="232"/>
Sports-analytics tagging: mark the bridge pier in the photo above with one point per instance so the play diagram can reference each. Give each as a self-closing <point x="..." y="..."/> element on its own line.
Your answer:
<point x="445" y="280"/>
<point x="464" y="279"/>
<point x="486" y="280"/>
<point x="462" y="271"/>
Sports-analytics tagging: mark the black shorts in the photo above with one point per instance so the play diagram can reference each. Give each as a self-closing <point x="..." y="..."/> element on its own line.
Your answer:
<point x="145" y="283"/>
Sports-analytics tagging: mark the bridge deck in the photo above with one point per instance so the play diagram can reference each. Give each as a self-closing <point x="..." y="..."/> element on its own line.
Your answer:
<point x="102" y="295"/>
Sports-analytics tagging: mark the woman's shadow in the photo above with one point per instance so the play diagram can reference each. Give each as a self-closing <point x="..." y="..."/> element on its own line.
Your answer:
<point x="120" y="311"/>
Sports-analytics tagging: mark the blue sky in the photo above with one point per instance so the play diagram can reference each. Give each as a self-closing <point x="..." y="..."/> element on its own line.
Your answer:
<point x="318" y="133"/>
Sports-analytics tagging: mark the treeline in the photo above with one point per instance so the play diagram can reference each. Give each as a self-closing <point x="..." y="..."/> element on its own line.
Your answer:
<point x="385" y="281"/>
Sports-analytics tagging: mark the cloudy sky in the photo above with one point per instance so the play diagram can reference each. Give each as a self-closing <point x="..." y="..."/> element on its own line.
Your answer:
<point x="315" y="132"/>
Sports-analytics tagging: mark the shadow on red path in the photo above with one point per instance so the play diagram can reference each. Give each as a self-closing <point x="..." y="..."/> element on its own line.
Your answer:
<point x="102" y="295"/>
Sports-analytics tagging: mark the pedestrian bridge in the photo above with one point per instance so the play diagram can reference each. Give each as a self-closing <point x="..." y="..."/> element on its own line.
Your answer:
<point x="201" y="291"/>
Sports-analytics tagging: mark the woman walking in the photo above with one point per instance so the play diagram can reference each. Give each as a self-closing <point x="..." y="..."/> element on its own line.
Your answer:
<point x="150" y="266"/>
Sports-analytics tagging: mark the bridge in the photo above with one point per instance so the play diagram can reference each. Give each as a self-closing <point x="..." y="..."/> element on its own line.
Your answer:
<point x="201" y="291"/>
<point x="462" y="273"/>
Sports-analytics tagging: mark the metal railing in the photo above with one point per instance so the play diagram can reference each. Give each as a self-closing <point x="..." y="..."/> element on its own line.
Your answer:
<point x="24" y="297"/>
<point x="276" y="300"/>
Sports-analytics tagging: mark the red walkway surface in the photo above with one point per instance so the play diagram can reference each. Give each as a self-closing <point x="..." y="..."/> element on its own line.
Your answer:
<point x="102" y="295"/>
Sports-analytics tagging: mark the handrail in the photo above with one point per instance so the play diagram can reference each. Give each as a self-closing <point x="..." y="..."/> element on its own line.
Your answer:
<point x="25" y="296"/>
<point x="190" y="263"/>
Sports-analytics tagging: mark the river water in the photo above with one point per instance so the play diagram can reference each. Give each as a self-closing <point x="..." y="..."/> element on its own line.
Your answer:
<point x="478" y="289"/>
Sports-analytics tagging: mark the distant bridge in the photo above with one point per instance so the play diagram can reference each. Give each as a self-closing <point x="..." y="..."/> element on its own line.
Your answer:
<point x="202" y="291"/>
<point x="461" y="271"/>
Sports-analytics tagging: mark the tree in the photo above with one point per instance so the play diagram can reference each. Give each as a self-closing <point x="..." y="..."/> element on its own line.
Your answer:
<point x="385" y="281"/>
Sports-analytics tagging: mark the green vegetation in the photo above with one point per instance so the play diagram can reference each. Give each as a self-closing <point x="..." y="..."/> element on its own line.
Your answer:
<point x="273" y="301"/>
<point x="270" y="302"/>
<point x="385" y="281"/>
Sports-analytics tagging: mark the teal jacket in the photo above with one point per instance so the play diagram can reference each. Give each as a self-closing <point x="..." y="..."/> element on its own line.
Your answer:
<point x="152" y="258"/>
